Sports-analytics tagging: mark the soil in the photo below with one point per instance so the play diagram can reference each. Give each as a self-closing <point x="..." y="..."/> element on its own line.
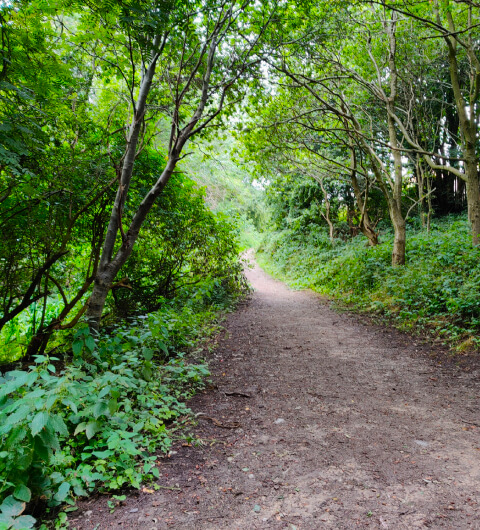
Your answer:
<point x="316" y="420"/>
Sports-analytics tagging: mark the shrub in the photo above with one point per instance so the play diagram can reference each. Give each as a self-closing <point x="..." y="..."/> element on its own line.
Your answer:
<point x="96" y="423"/>
<point x="438" y="288"/>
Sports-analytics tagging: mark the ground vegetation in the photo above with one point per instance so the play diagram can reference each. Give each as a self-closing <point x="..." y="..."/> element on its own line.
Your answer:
<point x="145" y="143"/>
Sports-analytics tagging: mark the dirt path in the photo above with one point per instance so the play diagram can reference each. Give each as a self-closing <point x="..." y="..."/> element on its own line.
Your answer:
<point x="345" y="426"/>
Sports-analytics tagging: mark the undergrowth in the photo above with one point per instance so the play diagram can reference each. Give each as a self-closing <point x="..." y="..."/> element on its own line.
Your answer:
<point x="97" y="423"/>
<point x="437" y="291"/>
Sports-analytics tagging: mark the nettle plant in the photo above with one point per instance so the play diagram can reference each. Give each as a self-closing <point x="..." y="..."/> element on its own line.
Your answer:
<point x="93" y="424"/>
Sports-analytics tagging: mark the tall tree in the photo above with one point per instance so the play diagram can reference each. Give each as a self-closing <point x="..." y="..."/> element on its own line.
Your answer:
<point x="53" y="176"/>
<point x="183" y="71"/>
<point x="455" y="22"/>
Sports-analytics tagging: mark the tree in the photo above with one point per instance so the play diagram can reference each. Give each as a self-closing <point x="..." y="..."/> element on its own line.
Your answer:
<point x="53" y="176"/>
<point x="365" y="64"/>
<point x="340" y="85"/>
<point x="201" y="52"/>
<point x="301" y="135"/>
<point x="454" y="22"/>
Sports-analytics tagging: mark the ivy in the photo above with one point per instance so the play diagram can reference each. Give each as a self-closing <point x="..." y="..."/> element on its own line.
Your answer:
<point x="436" y="291"/>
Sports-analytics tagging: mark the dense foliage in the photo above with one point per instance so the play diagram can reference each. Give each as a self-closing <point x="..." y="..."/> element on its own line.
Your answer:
<point x="98" y="422"/>
<point x="437" y="291"/>
<point x="92" y="201"/>
<point x="185" y="249"/>
<point x="351" y="119"/>
<point x="378" y="98"/>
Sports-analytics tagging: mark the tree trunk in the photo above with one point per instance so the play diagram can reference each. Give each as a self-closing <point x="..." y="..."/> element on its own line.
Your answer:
<point x="398" y="221"/>
<point x="109" y="265"/>
<point x="429" y="202"/>
<point x="107" y="273"/>
<point x="38" y="344"/>
<point x="398" y="254"/>
<point x="366" y="226"/>
<point x="468" y="120"/>
<point x="420" y="178"/>
<point x="473" y="199"/>
<point x="101" y="288"/>
<point x="331" y="228"/>
<point x="370" y="234"/>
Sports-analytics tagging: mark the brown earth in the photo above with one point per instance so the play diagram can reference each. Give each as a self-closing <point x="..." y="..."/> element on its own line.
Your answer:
<point x="316" y="420"/>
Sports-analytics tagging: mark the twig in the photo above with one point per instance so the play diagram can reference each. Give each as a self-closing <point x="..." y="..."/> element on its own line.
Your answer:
<point x="470" y="422"/>
<point x="237" y="394"/>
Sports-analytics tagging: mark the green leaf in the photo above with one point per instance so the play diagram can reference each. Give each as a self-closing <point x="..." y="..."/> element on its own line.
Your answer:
<point x="148" y="353"/>
<point x="162" y="346"/>
<point x="77" y="347"/>
<point x="92" y="428"/>
<point x="42" y="450"/>
<point x="100" y="409"/>
<point x="57" y="477"/>
<point x="11" y="507"/>
<point x="80" y="428"/>
<point x="25" y="522"/>
<point x="50" y="401"/>
<point x="56" y="423"/>
<point x="31" y="378"/>
<point x="62" y="492"/>
<point x="105" y="390"/>
<point x="50" y="439"/>
<point x="34" y="394"/>
<point x="71" y="404"/>
<point x="24" y="461"/>
<point x="38" y="422"/>
<point x="22" y="493"/>
<point x="18" y="380"/>
<point x="5" y="522"/>
<point x="90" y="343"/>
<point x="138" y="426"/>
<point x="103" y="454"/>
<point x="19" y="415"/>
<point x="112" y="406"/>
<point x="79" y="490"/>
<point x="147" y="373"/>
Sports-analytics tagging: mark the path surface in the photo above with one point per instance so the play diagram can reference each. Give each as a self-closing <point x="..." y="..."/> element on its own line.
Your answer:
<point x="346" y="426"/>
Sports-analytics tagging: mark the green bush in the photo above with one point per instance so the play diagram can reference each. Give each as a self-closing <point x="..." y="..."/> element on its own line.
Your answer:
<point x="96" y="423"/>
<point x="184" y="247"/>
<point x="297" y="256"/>
<point x="184" y="251"/>
<point x="438" y="289"/>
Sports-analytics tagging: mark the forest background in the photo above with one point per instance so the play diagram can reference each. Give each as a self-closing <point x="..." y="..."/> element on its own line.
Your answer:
<point x="144" y="144"/>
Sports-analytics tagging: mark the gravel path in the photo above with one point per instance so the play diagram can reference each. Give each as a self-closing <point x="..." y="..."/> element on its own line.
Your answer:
<point x="317" y="420"/>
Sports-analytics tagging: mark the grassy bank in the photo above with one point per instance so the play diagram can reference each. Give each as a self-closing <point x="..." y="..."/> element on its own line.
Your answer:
<point x="437" y="291"/>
